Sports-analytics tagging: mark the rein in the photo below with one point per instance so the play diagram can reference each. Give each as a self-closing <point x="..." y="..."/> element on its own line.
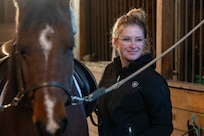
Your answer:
<point x="102" y="91"/>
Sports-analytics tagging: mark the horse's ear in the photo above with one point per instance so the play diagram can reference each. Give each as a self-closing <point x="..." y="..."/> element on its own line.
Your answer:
<point x="21" y="3"/>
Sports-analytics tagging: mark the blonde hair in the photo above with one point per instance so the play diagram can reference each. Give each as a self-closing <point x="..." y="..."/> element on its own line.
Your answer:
<point x="133" y="17"/>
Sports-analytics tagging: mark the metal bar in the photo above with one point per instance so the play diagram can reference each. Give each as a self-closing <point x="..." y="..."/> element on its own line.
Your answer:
<point x="193" y="46"/>
<point x="186" y="42"/>
<point x="179" y="33"/>
<point x="176" y="31"/>
<point x="201" y="46"/>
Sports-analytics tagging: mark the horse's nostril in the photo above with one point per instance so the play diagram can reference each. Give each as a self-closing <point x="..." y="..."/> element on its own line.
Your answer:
<point x="40" y="128"/>
<point x="63" y="125"/>
<point x="42" y="131"/>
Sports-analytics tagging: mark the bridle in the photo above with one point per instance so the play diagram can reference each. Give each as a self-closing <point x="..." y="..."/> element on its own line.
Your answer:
<point x="22" y="91"/>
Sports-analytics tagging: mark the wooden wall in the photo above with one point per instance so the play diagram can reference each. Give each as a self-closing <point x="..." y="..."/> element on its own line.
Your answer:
<point x="185" y="104"/>
<point x="7" y="23"/>
<point x="96" y="21"/>
<point x="7" y="11"/>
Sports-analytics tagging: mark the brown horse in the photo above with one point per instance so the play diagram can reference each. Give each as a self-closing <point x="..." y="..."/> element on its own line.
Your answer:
<point x="40" y="80"/>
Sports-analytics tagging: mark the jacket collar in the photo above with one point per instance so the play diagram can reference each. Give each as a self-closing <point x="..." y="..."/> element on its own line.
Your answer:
<point x="133" y="66"/>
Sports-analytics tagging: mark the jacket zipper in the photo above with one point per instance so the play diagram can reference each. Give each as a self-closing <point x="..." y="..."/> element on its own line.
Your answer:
<point x="130" y="133"/>
<point x="130" y="130"/>
<point x="118" y="78"/>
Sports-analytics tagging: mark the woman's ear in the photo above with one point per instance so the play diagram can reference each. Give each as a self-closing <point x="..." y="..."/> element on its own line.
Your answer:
<point x="114" y="42"/>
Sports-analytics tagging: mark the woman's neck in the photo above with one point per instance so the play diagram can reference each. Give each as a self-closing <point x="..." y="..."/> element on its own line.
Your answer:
<point x="124" y="62"/>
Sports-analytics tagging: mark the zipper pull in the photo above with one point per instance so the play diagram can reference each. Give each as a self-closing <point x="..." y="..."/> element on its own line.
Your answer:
<point x="130" y="130"/>
<point x="118" y="78"/>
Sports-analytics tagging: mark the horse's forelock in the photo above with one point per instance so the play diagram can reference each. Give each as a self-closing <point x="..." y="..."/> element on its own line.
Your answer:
<point x="41" y="12"/>
<point x="34" y="4"/>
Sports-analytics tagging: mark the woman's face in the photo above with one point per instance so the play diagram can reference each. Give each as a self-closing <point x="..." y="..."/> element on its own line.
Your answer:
<point x="130" y="44"/>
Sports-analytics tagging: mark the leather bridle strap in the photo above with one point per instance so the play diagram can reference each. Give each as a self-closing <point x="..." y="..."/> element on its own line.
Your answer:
<point x="19" y="72"/>
<point x="45" y="84"/>
<point x="22" y="91"/>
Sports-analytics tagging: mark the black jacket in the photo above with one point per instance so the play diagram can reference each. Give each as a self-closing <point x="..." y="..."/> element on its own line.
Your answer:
<point x="140" y="107"/>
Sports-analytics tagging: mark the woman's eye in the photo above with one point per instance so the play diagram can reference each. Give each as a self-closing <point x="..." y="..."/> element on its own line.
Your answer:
<point x="126" y="39"/>
<point x="138" y="39"/>
<point x="23" y="53"/>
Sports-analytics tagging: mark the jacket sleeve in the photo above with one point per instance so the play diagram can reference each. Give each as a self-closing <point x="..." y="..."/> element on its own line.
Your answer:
<point x="103" y="128"/>
<point x="157" y="100"/>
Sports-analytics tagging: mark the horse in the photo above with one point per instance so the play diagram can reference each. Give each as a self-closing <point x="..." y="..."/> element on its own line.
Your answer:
<point x="39" y="74"/>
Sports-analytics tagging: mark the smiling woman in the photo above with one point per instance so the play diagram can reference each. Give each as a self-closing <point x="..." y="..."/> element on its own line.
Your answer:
<point x="127" y="44"/>
<point x="141" y="106"/>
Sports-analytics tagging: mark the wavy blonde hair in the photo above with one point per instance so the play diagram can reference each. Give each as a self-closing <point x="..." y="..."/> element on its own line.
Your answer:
<point x="133" y="17"/>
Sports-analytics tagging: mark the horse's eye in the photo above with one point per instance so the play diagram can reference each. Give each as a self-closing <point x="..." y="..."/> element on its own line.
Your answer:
<point x="23" y="53"/>
<point x="69" y="50"/>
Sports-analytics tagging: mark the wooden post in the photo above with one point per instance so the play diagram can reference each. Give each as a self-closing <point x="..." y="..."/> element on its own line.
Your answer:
<point x="164" y="34"/>
<point x="159" y="34"/>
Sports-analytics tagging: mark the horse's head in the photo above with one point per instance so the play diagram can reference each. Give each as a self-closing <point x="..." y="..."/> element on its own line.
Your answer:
<point x="44" y="60"/>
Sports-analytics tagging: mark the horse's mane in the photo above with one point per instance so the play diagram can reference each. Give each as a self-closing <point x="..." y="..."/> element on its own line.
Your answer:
<point x="41" y="12"/>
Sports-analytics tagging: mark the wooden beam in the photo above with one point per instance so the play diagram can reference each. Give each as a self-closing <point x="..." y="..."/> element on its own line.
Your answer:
<point x="158" y="33"/>
<point x="164" y="36"/>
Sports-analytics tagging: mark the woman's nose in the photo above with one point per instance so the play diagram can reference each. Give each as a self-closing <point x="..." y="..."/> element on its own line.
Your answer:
<point x="133" y="44"/>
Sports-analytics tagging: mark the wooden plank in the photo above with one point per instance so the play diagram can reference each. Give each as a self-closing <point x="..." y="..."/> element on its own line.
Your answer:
<point x="164" y="36"/>
<point x="83" y="27"/>
<point x="186" y="85"/>
<point x="180" y="118"/>
<point x="187" y="100"/>
<point x="177" y="132"/>
<point x="93" y="130"/>
<point x="159" y="34"/>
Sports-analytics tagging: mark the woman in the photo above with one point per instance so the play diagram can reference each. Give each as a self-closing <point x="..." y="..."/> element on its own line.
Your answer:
<point x="142" y="106"/>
